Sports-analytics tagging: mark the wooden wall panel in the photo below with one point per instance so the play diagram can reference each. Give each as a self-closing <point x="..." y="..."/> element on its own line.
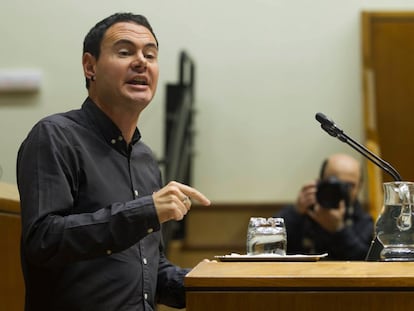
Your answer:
<point x="388" y="92"/>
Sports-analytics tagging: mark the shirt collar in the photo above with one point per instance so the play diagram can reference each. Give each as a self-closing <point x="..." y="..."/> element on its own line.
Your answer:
<point x="109" y="130"/>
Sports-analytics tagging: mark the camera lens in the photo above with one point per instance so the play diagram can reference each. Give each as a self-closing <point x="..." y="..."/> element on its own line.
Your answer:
<point x="331" y="191"/>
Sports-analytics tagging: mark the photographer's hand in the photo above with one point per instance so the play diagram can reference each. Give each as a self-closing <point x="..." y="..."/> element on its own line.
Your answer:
<point x="306" y="198"/>
<point x="330" y="219"/>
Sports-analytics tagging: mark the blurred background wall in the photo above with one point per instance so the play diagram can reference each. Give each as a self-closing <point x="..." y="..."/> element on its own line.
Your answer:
<point x="264" y="68"/>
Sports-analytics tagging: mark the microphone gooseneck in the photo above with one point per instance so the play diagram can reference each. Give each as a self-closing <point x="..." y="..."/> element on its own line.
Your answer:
<point x="332" y="129"/>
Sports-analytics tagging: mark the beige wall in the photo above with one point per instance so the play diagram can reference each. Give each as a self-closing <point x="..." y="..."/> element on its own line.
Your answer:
<point x="264" y="68"/>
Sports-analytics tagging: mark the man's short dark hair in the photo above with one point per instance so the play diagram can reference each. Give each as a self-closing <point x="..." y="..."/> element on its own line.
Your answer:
<point x="93" y="40"/>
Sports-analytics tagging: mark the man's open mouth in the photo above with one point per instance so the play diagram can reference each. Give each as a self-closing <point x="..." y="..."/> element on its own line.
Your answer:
<point x="138" y="81"/>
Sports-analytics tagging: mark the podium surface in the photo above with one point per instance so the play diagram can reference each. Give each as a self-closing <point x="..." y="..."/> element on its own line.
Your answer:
<point x="323" y="285"/>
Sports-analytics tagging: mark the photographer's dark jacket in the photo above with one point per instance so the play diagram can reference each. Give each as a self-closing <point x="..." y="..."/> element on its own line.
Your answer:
<point x="90" y="234"/>
<point x="305" y="236"/>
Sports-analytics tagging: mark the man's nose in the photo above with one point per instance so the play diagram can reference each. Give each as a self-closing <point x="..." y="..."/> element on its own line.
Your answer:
<point x="139" y="62"/>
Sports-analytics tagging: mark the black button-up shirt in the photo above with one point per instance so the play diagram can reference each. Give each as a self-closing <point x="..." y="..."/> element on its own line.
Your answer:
<point x="90" y="234"/>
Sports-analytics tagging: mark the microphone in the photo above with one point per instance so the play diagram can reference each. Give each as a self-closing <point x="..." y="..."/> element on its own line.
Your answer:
<point x="332" y="129"/>
<point x="329" y="126"/>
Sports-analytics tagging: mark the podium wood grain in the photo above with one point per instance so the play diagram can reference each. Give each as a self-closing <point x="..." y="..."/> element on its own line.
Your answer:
<point x="294" y="286"/>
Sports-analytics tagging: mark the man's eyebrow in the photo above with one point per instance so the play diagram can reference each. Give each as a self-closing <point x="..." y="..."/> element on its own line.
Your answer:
<point x="129" y="42"/>
<point x="123" y="41"/>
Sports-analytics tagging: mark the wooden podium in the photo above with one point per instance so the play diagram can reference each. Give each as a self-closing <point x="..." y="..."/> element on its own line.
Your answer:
<point x="11" y="278"/>
<point x="323" y="285"/>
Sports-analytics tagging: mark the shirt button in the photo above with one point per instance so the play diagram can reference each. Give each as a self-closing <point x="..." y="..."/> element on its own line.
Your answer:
<point x="150" y="230"/>
<point x="136" y="193"/>
<point x="120" y="138"/>
<point x="108" y="252"/>
<point x="113" y="141"/>
<point x="145" y="296"/>
<point x="144" y="260"/>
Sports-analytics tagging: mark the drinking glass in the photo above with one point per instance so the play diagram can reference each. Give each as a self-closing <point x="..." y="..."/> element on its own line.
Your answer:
<point x="266" y="236"/>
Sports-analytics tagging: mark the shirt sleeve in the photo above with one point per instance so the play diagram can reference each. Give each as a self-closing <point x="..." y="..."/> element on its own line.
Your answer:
<point x="52" y="233"/>
<point x="170" y="284"/>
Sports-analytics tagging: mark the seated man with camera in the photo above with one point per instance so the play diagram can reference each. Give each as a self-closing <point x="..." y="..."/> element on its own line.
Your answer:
<point x="328" y="216"/>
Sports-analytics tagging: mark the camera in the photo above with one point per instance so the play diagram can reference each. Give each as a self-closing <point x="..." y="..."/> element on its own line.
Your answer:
<point x="331" y="191"/>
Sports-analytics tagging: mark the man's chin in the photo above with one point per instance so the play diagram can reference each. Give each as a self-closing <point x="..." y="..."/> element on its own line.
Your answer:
<point x="140" y="105"/>
<point x="140" y="99"/>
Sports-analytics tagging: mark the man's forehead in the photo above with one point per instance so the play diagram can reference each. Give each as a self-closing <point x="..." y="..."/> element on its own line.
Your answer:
<point x="127" y="30"/>
<point x="344" y="172"/>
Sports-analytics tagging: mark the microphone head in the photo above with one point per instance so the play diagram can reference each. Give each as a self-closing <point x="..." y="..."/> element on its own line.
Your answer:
<point x="321" y="118"/>
<point x="327" y="125"/>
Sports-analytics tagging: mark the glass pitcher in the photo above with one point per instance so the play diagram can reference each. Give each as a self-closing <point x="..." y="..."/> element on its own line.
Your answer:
<point x="395" y="225"/>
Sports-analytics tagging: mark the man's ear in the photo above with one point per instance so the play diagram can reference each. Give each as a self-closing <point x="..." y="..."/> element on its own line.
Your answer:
<point x="88" y="63"/>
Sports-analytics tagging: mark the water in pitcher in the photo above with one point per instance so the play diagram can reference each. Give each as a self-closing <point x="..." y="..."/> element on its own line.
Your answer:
<point x="395" y="227"/>
<point x="396" y="234"/>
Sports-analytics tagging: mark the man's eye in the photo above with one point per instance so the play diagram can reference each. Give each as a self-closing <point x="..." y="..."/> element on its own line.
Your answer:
<point x="150" y="55"/>
<point x="124" y="52"/>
